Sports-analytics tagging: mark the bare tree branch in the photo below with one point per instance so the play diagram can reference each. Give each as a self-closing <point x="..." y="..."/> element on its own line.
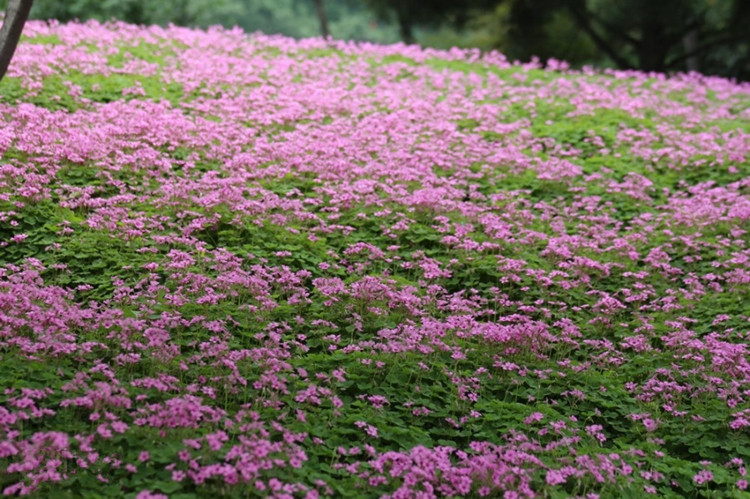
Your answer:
<point x="611" y="27"/>
<point x="697" y="23"/>
<point x="706" y="46"/>
<point x="583" y="22"/>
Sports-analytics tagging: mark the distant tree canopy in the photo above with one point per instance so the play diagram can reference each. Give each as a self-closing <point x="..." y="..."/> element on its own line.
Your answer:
<point x="665" y="34"/>
<point x="345" y="19"/>
<point x="410" y="13"/>
<point x="710" y="36"/>
<point x="651" y="35"/>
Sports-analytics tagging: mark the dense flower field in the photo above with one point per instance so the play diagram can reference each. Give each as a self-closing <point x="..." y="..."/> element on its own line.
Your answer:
<point x="247" y="266"/>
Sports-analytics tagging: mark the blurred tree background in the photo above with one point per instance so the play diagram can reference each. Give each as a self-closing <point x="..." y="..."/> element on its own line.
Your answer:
<point x="710" y="36"/>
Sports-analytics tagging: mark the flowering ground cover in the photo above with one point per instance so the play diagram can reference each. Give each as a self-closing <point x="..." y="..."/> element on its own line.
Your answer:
<point x="248" y="266"/>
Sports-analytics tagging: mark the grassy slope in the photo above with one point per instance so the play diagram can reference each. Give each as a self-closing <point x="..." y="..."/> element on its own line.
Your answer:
<point x="571" y="246"/>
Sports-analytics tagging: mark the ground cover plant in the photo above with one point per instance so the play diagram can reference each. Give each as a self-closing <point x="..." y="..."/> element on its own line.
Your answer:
<point x="251" y="266"/>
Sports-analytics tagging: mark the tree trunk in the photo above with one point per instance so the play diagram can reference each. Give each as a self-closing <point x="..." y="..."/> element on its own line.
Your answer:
<point x="690" y="43"/>
<point x="15" y="17"/>
<point x="404" y="27"/>
<point x="652" y="50"/>
<point x="322" y="18"/>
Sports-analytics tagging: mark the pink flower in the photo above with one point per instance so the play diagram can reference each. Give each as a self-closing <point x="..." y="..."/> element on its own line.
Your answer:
<point x="147" y="494"/>
<point x="533" y="417"/>
<point x="555" y="477"/>
<point x="703" y="476"/>
<point x="596" y="432"/>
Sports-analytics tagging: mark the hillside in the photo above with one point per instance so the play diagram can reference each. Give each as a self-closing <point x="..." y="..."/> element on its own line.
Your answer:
<point x="248" y="266"/>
